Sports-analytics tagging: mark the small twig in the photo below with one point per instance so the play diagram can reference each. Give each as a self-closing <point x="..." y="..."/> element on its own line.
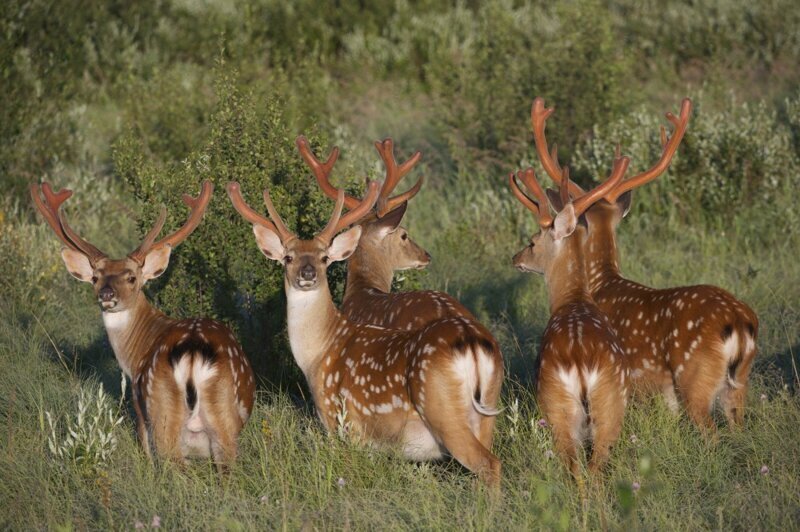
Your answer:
<point x="58" y="351"/>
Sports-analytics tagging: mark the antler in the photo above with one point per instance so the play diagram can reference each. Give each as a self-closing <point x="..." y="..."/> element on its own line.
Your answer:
<point x="394" y="174"/>
<point x="539" y="116"/>
<point x="339" y="222"/>
<point x="50" y="208"/>
<point x="539" y="207"/>
<point x="197" y="208"/>
<point x="235" y="193"/>
<point x="670" y="147"/>
<point x="582" y="203"/>
<point x="322" y="171"/>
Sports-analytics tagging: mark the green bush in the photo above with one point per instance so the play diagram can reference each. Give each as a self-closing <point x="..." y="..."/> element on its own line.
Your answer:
<point x="741" y="157"/>
<point x="219" y="271"/>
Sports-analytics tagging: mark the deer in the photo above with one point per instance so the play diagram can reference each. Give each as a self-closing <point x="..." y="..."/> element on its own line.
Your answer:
<point x="692" y="344"/>
<point x="429" y="392"/>
<point x="582" y="372"/>
<point x="193" y="388"/>
<point x="384" y="248"/>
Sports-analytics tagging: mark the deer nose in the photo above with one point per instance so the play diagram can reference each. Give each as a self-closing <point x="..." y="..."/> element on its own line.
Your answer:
<point x="106" y="294"/>
<point x="428" y="256"/>
<point x="308" y="272"/>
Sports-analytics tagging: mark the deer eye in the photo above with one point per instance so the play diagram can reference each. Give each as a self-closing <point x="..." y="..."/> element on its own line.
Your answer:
<point x="287" y="259"/>
<point x="404" y="236"/>
<point x="131" y="280"/>
<point x="94" y="279"/>
<point x="325" y="259"/>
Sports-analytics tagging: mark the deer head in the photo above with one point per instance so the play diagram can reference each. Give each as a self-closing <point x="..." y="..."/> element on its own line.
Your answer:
<point x="547" y="244"/>
<point x="116" y="282"/>
<point x="382" y="237"/>
<point x="305" y="261"/>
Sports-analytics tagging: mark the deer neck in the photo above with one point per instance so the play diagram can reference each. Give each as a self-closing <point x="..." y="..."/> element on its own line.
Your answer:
<point x="312" y="322"/>
<point x="132" y="332"/>
<point x="566" y="274"/>
<point x="601" y="255"/>
<point x="368" y="268"/>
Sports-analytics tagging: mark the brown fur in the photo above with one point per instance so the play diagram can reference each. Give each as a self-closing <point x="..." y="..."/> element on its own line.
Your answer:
<point x="397" y="387"/>
<point x="674" y="337"/>
<point x="582" y="374"/>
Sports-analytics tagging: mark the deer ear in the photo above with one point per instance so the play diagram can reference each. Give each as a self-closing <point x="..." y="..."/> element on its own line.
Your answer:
<point x="389" y="223"/>
<point x="156" y="262"/>
<point x="77" y="264"/>
<point x="565" y="222"/>
<point x="624" y="203"/>
<point x="344" y="244"/>
<point x="269" y="243"/>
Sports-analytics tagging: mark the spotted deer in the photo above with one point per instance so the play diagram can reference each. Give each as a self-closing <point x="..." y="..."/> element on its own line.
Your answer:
<point x="582" y="374"/>
<point x="384" y="248"/>
<point x="192" y="386"/>
<point x="429" y="391"/>
<point x="695" y="343"/>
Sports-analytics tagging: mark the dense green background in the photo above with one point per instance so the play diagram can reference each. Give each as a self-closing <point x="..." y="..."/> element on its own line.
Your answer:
<point x="132" y="103"/>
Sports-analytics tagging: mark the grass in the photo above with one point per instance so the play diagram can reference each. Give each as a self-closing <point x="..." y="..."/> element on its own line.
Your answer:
<point x="293" y="475"/>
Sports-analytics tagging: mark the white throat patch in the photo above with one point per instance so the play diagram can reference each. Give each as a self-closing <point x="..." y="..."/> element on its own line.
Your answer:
<point x="116" y="320"/>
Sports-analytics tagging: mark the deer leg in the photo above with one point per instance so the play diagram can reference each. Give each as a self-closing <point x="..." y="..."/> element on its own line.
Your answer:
<point x="141" y="424"/>
<point x="219" y="408"/>
<point x="699" y="386"/>
<point x="167" y="419"/>
<point x="448" y="416"/>
<point x="565" y="415"/>
<point x="606" y="408"/>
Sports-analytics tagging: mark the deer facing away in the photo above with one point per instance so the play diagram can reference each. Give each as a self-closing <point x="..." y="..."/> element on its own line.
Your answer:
<point x="384" y="248"/>
<point x="192" y="386"/>
<point x="582" y="378"/>
<point x="429" y="391"/>
<point x="693" y="343"/>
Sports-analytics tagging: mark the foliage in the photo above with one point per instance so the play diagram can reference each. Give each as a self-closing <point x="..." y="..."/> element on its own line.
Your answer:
<point x="88" y="439"/>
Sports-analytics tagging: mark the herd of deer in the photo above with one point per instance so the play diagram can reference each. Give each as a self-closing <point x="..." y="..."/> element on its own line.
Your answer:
<point x="416" y="369"/>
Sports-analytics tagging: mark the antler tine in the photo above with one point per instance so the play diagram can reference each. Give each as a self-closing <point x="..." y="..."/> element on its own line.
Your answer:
<point x="147" y="243"/>
<point x="539" y="116"/>
<point x="197" y="208"/>
<point x="51" y="210"/>
<point x="235" y="194"/>
<point x="670" y="147"/>
<point x="618" y="170"/>
<point x="539" y="207"/>
<point x="330" y="230"/>
<point x="322" y="171"/>
<point x="563" y="186"/>
<point x="50" y="215"/>
<point x="394" y="174"/>
<point x="364" y="206"/>
<point x="280" y="227"/>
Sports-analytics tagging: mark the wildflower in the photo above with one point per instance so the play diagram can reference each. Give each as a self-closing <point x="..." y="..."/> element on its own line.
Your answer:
<point x="763" y="397"/>
<point x="341" y="482"/>
<point x="634" y="439"/>
<point x="635" y="486"/>
<point x="542" y="423"/>
<point x="138" y="525"/>
<point x="264" y="499"/>
<point x="549" y="454"/>
<point x="764" y="469"/>
<point x="156" y="523"/>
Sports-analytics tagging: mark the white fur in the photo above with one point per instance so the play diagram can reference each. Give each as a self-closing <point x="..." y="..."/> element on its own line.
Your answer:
<point x="419" y="443"/>
<point x="115" y="321"/>
<point x="306" y="341"/>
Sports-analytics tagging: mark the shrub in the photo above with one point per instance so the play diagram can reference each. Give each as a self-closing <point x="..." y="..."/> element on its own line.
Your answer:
<point x="218" y="271"/>
<point x="741" y="157"/>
